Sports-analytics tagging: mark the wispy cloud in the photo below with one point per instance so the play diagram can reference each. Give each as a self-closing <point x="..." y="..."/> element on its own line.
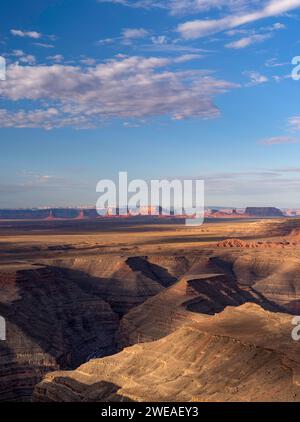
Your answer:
<point x="127" y="36"/>
<point x="273" y="62"/>
<point x="294" y="122"/>
<point x="134" y="33"/>
<point x="43" y="45"/>
<point x="254" y="37"/>
<point x="23" y="34"/>
<point x="187" y="57"/>
<point x="164" y="45"/>
<point x="256" y="78"/>
<point x="183" y="7"/>
<point x="246" y="41"/>
<point x="203" y="27"/>
<point x="57" y="58"/>
<point x="253" y="187"/>
<point x="279" y="140"/>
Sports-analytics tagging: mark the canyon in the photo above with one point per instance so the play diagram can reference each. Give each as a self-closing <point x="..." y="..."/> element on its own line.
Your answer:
<point x="149" y="312"/>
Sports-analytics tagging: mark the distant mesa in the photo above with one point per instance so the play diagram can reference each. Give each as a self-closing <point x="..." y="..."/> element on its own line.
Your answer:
<point x="85" y="213"/>
<point x="264" y="212"/>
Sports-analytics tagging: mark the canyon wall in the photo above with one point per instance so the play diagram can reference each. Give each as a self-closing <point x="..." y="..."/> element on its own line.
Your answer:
<point x="241" y="354"/>
<point x="63" y="312"/>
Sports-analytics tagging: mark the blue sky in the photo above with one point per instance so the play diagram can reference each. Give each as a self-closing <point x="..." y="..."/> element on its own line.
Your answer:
<point x="172" y="88"/>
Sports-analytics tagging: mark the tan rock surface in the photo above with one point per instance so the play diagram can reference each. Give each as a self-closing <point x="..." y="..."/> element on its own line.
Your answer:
<point x="242" y="354"/>
<point x="73" y="292"/>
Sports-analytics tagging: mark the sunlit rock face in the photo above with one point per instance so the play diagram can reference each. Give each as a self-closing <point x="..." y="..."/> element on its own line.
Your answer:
<point x="241" y="354"/>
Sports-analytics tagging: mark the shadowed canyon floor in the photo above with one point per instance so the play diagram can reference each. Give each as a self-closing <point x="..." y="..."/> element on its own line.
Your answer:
<point x="120" y="311"/>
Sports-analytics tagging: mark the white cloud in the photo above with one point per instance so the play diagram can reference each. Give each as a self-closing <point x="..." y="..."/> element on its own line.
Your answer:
<point x="255" y="78"/>
<point x="23" y="57"/>
<point x="43" y="45"/>
<point x="107" y="41"/>
<point x="180" y="7"/>
<point x="273" y="62"/>
<point x="133" y="33"/>
<point x="29" y="34"/>
<point x="294" y="122"/>
<point x="57" y="58"/>
<point x="246" y="41"/>
<point x="171" y="47"/>
<point x="128" y="35"/>
<point x="187" y="57"/>
<point x="278" y="25"/>
<point x="201" y="27"/>
<point x="133" y="87"/>
<point x="88" y="61"/>
<point x="159" y="40"/>
<point x="253" y="37"/>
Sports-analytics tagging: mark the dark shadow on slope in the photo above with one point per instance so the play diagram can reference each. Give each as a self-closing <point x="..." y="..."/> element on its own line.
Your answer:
<point x="214" y="295"/>
<point x="64" y="316"/>
<point x="56" y="323"/>
<point x="152" y="271"/>
<point x="68" y="389"/>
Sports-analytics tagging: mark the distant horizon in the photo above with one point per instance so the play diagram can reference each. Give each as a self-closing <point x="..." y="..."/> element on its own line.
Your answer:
<point x="91" y="207"/>
<point x="179" y="87"/>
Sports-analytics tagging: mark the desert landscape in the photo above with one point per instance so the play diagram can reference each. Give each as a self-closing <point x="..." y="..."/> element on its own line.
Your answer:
<point x="130" y="310"/>
<point x="149" y="208"/>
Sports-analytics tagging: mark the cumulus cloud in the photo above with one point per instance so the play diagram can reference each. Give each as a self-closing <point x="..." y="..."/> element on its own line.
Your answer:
<point x="23" y="34"/>
<point x="131" y="87"/>
<point x="48" y="118"/>
<point x="203" y="27"/>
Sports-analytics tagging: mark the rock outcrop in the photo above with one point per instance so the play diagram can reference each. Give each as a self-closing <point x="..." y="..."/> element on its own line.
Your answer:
<point x="242" y="354"/>
<point x="213" y="282"/>
<point x="62" y="313"/>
